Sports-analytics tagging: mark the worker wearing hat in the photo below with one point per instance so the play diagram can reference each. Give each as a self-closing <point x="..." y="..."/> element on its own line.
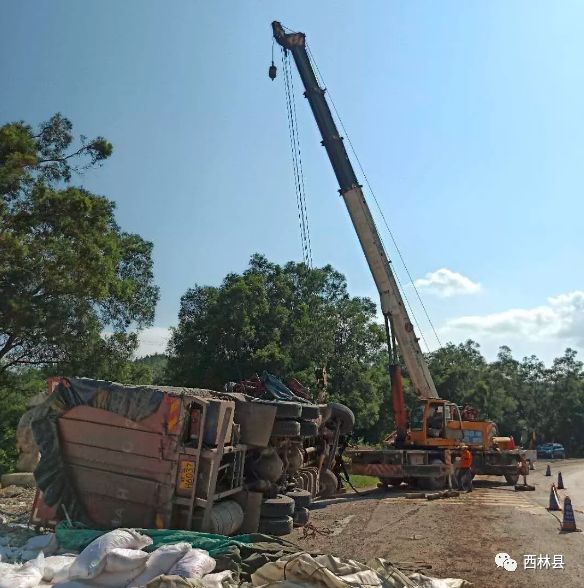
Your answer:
<point x="464" y="471"/>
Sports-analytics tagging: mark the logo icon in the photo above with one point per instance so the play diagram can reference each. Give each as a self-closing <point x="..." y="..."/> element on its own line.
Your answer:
<point x="504" y="560"/>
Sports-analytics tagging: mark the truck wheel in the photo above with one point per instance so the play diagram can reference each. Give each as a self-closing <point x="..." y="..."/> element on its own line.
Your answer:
<point x="286" y="429"/>
<point x="288" y="410"/>
<point x="328" y="484"/>
<point x="267" y="465"/>
<point x="308" y="429"/>
<point x="512" y="479"/>
<point x="301" y="498"/>
<point x="277" y="527"/>
<point x="391" y="481"/>
<point x="343" y="415"/>
<point x="284" y="409"/>
<point x="301" y="517"/>
<point x="281" y="506"/>
<point x="310" y="412"/>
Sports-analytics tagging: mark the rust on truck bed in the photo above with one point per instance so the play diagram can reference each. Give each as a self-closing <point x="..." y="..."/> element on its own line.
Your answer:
<point x="117" y="456"/>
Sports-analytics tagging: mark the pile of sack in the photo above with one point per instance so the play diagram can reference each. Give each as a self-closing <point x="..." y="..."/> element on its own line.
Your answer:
<point x="114" y="560"/>
<point x="117" y="560"/>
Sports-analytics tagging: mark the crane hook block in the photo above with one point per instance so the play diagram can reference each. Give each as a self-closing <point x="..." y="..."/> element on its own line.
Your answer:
<point x="272" y="71"/>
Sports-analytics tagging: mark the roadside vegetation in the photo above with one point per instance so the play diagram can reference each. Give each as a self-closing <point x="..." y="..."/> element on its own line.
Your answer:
<point x="75" y="290"/>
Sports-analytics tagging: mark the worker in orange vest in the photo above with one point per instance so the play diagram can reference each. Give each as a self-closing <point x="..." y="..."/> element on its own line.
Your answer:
<point x="464" y="471"/>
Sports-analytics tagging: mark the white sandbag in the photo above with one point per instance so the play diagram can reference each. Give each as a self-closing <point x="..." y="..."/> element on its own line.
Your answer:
<point x="91" y="561"/>
<point x="115" y="579"/>
<point x="57" y="568"/>
<point x="45" y="543"/>
<point x="219" y="580"/>
<point x="428" y="582"/>
<point x="124" y="560"/>
<point x="160" y="562"/>
<point x="194" y="564"/>
<point x="27" y="576"/>
<point x="76" y="584"/>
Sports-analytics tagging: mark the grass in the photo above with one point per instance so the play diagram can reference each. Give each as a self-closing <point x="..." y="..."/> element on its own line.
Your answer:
<point x="363" y="481"/>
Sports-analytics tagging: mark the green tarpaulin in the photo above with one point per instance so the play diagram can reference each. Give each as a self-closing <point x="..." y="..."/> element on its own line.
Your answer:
<point x="243" y="554"/>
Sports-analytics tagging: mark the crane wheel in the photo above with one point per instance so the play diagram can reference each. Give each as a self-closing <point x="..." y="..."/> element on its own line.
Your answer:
<point x="437" y="483"/>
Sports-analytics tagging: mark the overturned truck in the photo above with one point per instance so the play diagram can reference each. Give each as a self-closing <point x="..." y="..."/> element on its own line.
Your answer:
<point x="186" y="458"/>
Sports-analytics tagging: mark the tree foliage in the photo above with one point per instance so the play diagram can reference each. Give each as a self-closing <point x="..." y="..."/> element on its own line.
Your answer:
<point x="287" y="320"/>
<point x="67" y="270"/>
<point x="291" y="319"/>
<point x="521" y="396"/>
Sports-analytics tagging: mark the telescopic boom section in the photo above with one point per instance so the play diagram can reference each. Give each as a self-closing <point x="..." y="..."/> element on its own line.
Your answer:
<point x="392" y="304"/>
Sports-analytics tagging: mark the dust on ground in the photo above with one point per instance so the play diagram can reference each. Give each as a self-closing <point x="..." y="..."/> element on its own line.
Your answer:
<point x="15" y="508"/>
<point x="455" y="537"/>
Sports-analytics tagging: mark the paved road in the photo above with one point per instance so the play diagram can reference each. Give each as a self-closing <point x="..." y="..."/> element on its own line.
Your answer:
<point x="573" y="475"/>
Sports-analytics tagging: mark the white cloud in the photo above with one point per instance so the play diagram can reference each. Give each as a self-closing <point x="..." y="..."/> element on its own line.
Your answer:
<point x="445" y="283"/>
<point x="152" y="340"/>
<point x="561" y="319"/>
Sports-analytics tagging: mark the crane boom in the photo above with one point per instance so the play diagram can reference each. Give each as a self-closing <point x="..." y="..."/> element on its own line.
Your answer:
<point x="392" y="304"/>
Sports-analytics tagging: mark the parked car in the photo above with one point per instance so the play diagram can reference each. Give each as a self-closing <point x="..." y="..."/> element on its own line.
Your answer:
<point x="551" y="451"/>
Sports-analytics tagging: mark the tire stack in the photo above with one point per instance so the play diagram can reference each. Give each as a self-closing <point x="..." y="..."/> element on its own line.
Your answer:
<point x="280" y="514"/>
<point x="296" y="420"/>
<point x="302" y="499"/>
<point x="276" y="516"/>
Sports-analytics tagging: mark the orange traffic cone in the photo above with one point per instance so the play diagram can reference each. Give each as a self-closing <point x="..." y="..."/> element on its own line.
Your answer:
<point x="554" y="500"/>
<point x="569" y="522"/>
<point x="560" y="481"/>
<point x="548" y="470"/>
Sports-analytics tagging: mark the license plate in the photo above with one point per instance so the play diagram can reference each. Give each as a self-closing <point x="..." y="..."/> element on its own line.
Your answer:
<point x="186" y="475"/>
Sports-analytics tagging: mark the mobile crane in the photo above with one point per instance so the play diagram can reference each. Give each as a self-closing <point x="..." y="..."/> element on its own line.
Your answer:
<point x="420" y="450"/>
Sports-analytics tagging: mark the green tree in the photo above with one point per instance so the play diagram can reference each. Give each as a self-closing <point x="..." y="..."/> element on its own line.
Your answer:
<point x="287" y="320"/>
<point x="155" y="365"/>
<point x="67" y="270"/>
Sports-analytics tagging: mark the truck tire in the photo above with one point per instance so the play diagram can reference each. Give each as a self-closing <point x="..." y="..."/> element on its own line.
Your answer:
<point x="328" y="484"/>
<point x="286" y="429"/>
<point x="288" y="410"/>
<point x="276" y="527"/>
<point x="226" y="517"/>
<point x="343" y="415"/>
<point x="301" y="517"/>
<point x="284" y="409"/>
<point x="301" y="498"/>
<point x="281" y="506"/>
<point x="512" y="479"/>
<point x="310" y="412"/>
<point x="266" y="466"/>
<point x="392" y="481"/>
<point x="308" y="429"/>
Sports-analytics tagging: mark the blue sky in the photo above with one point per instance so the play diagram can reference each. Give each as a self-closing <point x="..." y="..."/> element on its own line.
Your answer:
<point x="467" y="116"/>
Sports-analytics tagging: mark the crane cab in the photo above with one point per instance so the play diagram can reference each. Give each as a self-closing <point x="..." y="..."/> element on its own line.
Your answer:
<point x="435" y="423"/>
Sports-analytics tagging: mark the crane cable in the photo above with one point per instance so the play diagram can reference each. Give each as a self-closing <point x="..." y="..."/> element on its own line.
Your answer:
<point x="321" y="82"/>
<point x="299" y="185"/>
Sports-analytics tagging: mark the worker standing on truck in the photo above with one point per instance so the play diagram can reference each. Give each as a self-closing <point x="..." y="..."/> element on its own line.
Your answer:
<point x="464" y="472"/>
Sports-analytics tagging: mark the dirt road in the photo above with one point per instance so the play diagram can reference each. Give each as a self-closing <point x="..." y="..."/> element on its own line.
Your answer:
<point x="456" y="537"/>
<point x="459" y="537"/>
